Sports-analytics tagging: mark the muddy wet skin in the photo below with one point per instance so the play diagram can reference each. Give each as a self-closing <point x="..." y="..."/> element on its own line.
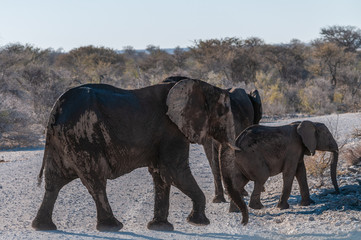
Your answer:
<point x="98" y="132"/>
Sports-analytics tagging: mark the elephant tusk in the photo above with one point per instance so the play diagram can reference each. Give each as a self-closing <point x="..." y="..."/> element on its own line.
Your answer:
<point x="233" y="147"/>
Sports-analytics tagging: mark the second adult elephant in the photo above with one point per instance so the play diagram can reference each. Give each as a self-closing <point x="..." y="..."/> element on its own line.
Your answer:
<point x="266" y="151"/>
<point x="98" y="132"/>
<point x="247" y="110"/>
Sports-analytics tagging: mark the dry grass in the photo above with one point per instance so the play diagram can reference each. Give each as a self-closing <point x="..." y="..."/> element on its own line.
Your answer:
<point x="352" y="154"/>
<point x="356" y="133"/>
<point x="317" y="165"/>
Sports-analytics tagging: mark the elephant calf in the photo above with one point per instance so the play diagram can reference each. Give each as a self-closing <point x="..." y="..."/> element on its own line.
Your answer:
<point x="267" y="151"/>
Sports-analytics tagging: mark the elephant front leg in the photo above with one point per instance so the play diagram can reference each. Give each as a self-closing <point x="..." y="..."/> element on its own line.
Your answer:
<point x="105" y="218"/>
<point x="302" y="182"/>
<point x="185" y="182"/>
<point x="161" y="204"/>
<point x="212" y="156"/>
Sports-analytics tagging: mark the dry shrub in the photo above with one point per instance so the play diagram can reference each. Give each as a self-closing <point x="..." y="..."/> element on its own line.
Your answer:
<point x="316" y="97"/>
<point x="352" y="153"/>
<point x="274" y="101"/>
<point x="356" y="133"/>
<point x="318" y="164"/>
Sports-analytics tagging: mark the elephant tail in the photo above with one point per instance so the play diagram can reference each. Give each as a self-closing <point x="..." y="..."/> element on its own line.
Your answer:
<point x="40" y="176"/>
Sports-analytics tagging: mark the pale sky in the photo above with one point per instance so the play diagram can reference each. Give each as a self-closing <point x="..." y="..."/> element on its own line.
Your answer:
<point x="115" y="24"/>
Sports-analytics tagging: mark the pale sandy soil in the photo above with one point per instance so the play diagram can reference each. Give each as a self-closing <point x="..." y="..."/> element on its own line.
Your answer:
<point x="131" y="196"/>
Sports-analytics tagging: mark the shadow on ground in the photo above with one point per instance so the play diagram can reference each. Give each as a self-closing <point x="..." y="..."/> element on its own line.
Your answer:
<point x="327" y="200"/>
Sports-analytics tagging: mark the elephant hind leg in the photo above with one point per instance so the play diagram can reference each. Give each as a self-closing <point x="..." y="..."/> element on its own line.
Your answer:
<point x="255" y="201"/>
<point x="161" y="204"/>
<point x="105" y="218"/>
<point x="241" y="181"/>
<point x="53" y="184"/>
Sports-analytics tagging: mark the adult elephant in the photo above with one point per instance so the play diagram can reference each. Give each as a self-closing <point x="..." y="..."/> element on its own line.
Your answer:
<point x="98" y="132"/>
<point x="246" y="110"/>
<point x="266" y="151"/>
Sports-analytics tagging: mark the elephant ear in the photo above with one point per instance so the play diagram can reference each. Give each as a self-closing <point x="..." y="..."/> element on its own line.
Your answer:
<point x="187" y="108"/>
<point x="201" y="111"/>
<point x="307" y="131"/>
<point x="257" y="105"/>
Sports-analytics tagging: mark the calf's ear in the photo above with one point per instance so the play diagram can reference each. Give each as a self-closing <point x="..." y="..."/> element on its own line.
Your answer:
<point x="307" y="131"/>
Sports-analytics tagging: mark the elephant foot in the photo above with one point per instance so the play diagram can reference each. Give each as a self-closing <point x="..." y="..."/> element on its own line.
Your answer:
<point x="160" y="225"/>
<point x="109" y="225"/>
<point x="40" y="225"/>
<point x="307" y="202"/>
<point x="283" y="205"/>
<point x="233" y="208"/>
<point x="256" y="205"/>
<point x="219" y="199"/>
<point x="198" y="219"/>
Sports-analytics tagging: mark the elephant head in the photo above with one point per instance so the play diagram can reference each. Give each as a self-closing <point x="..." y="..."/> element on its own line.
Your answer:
<point x="202" y="111"/>
<point x="316" y="136"/>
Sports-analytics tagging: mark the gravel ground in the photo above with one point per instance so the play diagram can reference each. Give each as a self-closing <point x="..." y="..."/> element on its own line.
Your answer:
<point x="131" y="197"/>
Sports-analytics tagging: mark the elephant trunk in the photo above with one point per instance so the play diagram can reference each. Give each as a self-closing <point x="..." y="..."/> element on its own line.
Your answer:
<point x="334" y="160"/>
<point x="227" y="160"/>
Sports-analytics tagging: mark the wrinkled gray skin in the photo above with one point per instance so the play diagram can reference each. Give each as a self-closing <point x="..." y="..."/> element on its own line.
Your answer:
<point x="247" y="110"/>
<point x="98" y="132"/>
<point x="267" y="151"/>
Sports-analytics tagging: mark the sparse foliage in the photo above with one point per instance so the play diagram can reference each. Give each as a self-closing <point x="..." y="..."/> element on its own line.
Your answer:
<point x="320" y="78"/>
<point x="317" y="165"/>
<point x="352" y="154"/>
<point x="348" y="37"/>
<point x="356" y="133"/>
